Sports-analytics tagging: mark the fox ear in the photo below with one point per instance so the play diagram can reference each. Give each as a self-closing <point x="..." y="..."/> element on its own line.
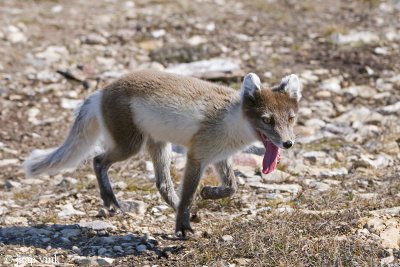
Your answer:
<point x="251" y="84"/>
<point x="291" y="85"/>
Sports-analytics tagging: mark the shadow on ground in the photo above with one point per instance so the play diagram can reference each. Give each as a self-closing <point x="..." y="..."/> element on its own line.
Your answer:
<point x="81" y="240"/>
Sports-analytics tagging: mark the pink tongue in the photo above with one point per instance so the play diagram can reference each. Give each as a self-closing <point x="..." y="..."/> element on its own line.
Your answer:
<point x="271" y="157"/>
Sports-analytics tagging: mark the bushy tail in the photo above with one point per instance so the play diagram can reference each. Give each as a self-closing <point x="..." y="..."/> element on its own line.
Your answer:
<point x="78" y="145"/>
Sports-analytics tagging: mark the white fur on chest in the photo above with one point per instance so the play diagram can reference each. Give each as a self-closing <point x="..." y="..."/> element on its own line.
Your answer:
<point x="167" y="122"/>
<point x="235" y="134"/>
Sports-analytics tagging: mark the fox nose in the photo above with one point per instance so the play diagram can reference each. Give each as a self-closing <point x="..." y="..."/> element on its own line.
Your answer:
<point x="288" y="144"/>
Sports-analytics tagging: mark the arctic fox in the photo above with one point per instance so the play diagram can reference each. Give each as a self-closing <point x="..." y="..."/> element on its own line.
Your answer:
<point x="158" y="108"/>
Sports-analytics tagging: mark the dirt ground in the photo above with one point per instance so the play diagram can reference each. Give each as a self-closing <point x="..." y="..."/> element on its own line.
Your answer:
<point x="335" y="200"/>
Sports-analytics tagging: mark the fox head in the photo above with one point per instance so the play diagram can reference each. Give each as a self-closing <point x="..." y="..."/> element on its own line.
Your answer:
<point x="272" y="111"/>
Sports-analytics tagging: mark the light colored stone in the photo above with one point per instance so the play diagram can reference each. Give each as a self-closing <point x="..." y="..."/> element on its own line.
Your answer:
<point x="277" y="176"/>
<point x="196" y="40"/>
<point x="387" y="260"/>
<point x="331" y="84"/>
<point x="150" y="65"/>
<point x="97" y="225"/>
<point x="375" y="162"/>
<point x="320" y="186"/>
<point x="334" y="172"/>
<point x="394" y="211"/>
<point x="133" y="206"/>
<point x="53" y="54"/>
<point x="381" y="51"/>
<point x="10" y="220"/>
<point x="375" y="225"/>
<point x="390" y="238"/>
<point x="363" y="91"/>
<point x="68" y="210"/>
<point x="361" y="114"/>
<point x="198" y="68"/>
<point x="315" y="123"/>
<point x="391" y="109"/>
<point x="285" y="209"/>
<point x="227" y="238"/>
<point x="6" y="162"/>
<point x="158" y="33"/>
<point x="70" y="103"/>
<point x="354" y="37"/>
<point x="47" y="76"/>
<point x="291" y="188"/>
<point x="12" y="184"/>
<point x="56" y="9"/>
<point x="84" y="261"/>
<point x="14" y="35"/>
<point x="94" y="39"/>
<point x="3" y="210"/>
<point x="103" y="261"/>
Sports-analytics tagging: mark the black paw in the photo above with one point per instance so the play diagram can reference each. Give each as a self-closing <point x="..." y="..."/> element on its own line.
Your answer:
<point x="183" y="227"/>
<point x="110" y="202"/>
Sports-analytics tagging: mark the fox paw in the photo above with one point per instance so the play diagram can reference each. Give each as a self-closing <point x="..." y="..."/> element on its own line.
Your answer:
<point x="183" y="227"/>
<point x="110" y="202"/>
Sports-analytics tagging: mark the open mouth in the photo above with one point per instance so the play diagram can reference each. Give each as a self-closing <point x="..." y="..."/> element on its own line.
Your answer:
<point x="271" y="156"/>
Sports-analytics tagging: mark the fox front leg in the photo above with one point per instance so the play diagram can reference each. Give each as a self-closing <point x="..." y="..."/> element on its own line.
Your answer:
<point x="228" y="182"/>
<point x="191" y="179"/>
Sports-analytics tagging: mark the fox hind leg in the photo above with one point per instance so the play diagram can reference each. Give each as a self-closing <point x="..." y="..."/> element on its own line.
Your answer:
<point x="228" y="180"/>
<point x="104" y="161"/>
<point x="160" y="153"/>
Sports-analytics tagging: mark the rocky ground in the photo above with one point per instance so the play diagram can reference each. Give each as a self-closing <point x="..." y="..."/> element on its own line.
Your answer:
<point x="335" y="200"/>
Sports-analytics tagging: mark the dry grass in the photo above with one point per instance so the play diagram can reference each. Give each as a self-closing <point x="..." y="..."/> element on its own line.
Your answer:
<point x="288" y="240"/>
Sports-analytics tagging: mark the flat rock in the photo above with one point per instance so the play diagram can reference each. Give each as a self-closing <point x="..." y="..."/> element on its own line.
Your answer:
<point x="375" y="225"/>
<point x="103" y="261"/>
<point x="6" y="162"/>
<point x="375" y="162"/>
<point x="354" y="37"/>
<point x="361" y="114"/>
<point x="204" y="67"/>
<point x="12" y="184"/>
<point x="68" y="210"/>
<point x="320" y="186"/>
<point x="53" y="54"/>
<point x="3" y="210"/>
<point x="363" y="91"/>
<point x="334" y="172"/>
<point x="84" y="261"/>
<point x="390" y="237"/>
<point x="331" y="84"/>
<point x="70" y="103"/>
<point x="277" y="176"/>
<point x="291" y="188"/>
<point x="97" y="225"/>
<point x="94" y="39"/>
<point x="227" y="238"/>
<point x="14" y="220"/>
<point x="391" y="109"/>
<point x="134" y="206"/>
<point x="14" y="35"/>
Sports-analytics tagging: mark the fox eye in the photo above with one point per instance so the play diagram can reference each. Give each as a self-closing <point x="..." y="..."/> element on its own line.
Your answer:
<point x="267" y="120"/>
<point x="291" y="119"/>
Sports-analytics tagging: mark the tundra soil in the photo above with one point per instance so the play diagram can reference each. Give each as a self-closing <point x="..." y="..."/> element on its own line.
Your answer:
<point x="335" y="200"/>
